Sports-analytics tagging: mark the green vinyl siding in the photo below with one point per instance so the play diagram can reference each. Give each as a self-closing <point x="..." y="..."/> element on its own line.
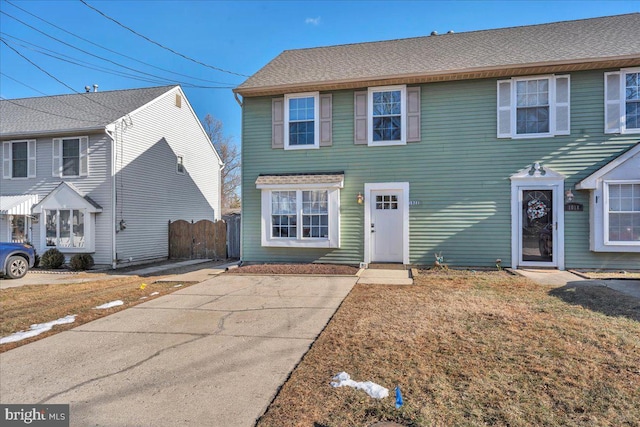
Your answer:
<point x="459" y="173"/>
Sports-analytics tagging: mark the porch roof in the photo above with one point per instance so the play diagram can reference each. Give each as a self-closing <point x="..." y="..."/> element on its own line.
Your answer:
<point x="17" y="204"/>
<point x="294" y="179"/>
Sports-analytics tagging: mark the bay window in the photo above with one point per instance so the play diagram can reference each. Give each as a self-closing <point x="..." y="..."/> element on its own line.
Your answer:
<point x="65" y="228"/>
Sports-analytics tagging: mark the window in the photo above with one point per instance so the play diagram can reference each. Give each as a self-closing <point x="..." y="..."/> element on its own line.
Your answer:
<point x="301" y="121"/>
<point x="180" y="165"/>
<point x="65" y="228"/>
<point x="622" y="101"/>
<point x="19" y="229"/>
<point x="301" y="210"/>
<point x="387" y="120"/>
<point x="533" y="107"/>
<point x="70" y="156"/>
<point x="622" y="213"/>
<point x="19" y="159"/>
<point x="387" y="202"/>
<point x="313" y="214"/>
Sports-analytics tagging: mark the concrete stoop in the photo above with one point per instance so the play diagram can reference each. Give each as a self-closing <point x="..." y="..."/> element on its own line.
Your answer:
<point x="377" y="276"/>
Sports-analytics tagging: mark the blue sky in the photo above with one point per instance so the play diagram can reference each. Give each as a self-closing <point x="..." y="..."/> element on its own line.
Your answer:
<point x="236" y="36"/>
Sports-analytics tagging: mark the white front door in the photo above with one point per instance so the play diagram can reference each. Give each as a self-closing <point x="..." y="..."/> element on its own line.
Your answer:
<point x="386" y="225"/>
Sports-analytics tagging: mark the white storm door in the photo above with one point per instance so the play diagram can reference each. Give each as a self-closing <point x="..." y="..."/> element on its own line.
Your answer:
<point x="386" y="226"/>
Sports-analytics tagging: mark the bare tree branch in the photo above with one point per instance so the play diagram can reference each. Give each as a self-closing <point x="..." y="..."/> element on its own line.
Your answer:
<point x="230" y="154"/>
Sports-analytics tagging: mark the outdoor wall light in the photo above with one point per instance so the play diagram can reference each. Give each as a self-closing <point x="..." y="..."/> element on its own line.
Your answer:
<point x="537" y="167"/>
<point x="568" y="196"/>
<point x="360" y="198"/>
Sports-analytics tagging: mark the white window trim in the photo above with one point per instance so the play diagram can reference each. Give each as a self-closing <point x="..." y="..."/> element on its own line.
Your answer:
<point x="7" y="157"/>
<point x="514" y="108"/>
<point x="83" y="155"/>
<point x="89" y="225"/>
<point x="605" y="215"/>
<point x="403" y="115"/>
<point x="184" y="169"/>
<point x="316" y="120"/>
<point x="333" y="193"/>
<point x="623" y="101"/>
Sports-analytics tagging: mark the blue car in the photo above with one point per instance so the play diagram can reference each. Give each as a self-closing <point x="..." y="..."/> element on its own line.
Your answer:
<point x="16" y="259"/>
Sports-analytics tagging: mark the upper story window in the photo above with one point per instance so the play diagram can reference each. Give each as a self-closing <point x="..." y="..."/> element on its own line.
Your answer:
<point x="622" y="101"/>
<point x="533" y="107"/>
<point x="301" y="121"/>
<point x="387" y="119"/>
<point x="180" y="165"/>
<point x="622" y="213"/>
<point x="19" y="159"/>
<point x="70" y="156"/>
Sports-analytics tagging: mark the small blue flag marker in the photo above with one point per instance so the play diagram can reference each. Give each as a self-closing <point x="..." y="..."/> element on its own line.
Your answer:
<point x="399" y="401"/>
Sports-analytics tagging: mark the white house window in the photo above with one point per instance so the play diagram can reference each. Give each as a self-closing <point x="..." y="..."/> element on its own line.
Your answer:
<point x="387" y="118"/>
<point x="623" y="212"/>
<point x="310" y="208"/>
<point x="533" y="107"/>
<point x="632" y="100"/>
<point x="301" y="121"/>
<point x="301" y="210"/>
<point x="622" y="101"/>
<point x="19" y="229"/>
<point x="180" y="165"/>
<point x="65" y="228"/>
<point x="70" y="157"/>
<point x="19" y="159"/>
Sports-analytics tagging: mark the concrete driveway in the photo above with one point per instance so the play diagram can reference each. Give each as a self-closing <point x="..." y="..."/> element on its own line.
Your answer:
<point x="211" y="354"/>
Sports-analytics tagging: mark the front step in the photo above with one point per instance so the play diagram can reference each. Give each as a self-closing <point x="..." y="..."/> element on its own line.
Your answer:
<point x="387" y="266"/>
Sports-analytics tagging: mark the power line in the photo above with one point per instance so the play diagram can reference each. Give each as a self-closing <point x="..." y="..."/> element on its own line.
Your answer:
<point x="56" y="98"/>
<point x="75" y="61"/>
<point x="160" y="45"/>
<point x="58" y="80"/>
<point x="81" y="50"/>
<point x="47" y="112"/>
<point x="110" y="50"/>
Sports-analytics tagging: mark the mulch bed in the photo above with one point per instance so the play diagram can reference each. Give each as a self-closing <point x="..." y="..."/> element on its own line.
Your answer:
<point x="323" y="269"/>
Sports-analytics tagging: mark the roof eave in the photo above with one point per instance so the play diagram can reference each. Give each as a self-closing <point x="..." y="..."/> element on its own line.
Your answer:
<point x="59" y="132"/>
<point x="448" y="75"/>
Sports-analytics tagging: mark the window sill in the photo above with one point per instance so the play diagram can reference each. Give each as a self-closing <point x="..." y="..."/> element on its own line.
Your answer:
<point x="385" y="143"/>
<point x="302" y="147"/>
<point x="296" y="243"/>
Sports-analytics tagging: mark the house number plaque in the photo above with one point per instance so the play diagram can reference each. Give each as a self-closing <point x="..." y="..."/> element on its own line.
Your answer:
<point x="414" y="202"/>
<point x="573" y="207"/>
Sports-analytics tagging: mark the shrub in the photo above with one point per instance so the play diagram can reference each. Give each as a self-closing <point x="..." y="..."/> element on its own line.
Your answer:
<point x="52" y="258"/>
<point x="81" y="262"/>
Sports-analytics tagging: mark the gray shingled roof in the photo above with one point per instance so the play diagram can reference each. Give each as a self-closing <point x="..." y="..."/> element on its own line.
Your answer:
<point x="84" y="111"/>
<point x="569" y="42"/>
<point x="301" y="178"/>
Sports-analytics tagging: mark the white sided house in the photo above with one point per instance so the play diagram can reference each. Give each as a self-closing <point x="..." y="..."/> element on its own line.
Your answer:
<point x="104" y="172"/>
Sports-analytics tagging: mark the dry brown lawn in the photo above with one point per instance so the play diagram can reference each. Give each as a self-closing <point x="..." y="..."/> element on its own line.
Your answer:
<point x="20" y="307"/>
<point x="472" y="349"/>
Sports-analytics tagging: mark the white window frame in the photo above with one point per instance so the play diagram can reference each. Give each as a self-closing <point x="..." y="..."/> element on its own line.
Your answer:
<point x="617" y="123"/>
<point x="333" y="193"/>
<point x="606" y="212"/>
<point x="7" y="157"/>
<point x="316" y="120"/>
<point x="554" y="105"/>
<point x="89" y="220"/>
<point x="83" y="156"/>
<point x="180" y="162"/>
<point x="403" y="115"/>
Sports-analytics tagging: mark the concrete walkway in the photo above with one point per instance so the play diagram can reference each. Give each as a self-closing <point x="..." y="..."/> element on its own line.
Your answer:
<point x="212" y="354"/>
<point x="563" y="278"/>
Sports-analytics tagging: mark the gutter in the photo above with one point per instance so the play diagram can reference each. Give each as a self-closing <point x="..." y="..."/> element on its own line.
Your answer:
<point x="111" y="136"/>
<point x="45" y="133"/>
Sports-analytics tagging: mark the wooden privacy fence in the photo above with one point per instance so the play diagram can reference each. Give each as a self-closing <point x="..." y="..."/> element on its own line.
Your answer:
<point x="233" y="236"/>
<point x="201" y="240"/>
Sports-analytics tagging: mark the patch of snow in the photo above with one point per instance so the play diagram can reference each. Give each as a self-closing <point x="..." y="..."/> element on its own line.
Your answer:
<point x="37" y="329"/>
<point x="372" y="389"/>
<point x="144" y="297"/>
<point x="154" y="293"/>
<point x="109" y="305"/>
<point x="177" y="286"/>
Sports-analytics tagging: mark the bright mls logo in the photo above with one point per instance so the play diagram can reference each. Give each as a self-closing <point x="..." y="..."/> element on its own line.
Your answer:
<point x="34" y="415"/>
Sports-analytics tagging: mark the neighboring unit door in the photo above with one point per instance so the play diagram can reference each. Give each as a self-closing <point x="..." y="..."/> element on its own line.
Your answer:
<point x="538" y="227"/>
<point x="386" y="226"/>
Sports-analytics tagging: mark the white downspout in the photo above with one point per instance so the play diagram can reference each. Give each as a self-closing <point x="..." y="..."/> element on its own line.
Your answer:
<point x="113" y="195"/>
